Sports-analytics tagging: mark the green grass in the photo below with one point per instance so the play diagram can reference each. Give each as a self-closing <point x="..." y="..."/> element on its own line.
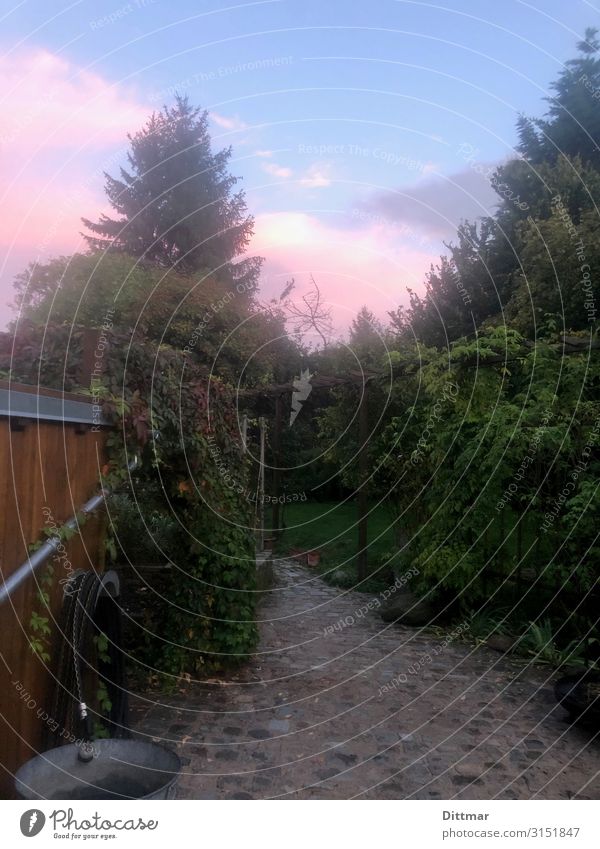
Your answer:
<point x="331" y="528"/>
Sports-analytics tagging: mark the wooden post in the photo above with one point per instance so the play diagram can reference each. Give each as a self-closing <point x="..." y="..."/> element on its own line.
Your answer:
<point x="245" y="433"/>
<point x="261" y="487"/>
<point x="87" y="364"/>
<point x="361" y="494"/>
<point x="276" y="465"/>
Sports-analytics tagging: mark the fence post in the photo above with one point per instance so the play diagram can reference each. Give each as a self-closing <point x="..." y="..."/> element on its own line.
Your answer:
<point x="361" y="494"/>
<point x="261" y="486"/>
<point x="276" y="465"/>
<point x="89" y="341"/>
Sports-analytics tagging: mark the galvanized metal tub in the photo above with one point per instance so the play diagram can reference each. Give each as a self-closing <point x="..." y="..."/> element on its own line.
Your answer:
<point x="120" y="769"/>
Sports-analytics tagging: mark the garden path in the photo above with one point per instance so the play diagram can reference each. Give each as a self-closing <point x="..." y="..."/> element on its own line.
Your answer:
<point x="338" y="705"/>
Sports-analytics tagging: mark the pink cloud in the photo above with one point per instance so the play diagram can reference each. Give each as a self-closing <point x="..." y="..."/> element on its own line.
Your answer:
<point x="49" y="102"/>
<point x="279" y="171"/>
<point x="60" y="127"/>
<point x="227" y="122"/>
<point x="364" y="264"/>
<point x="317" y="176"/>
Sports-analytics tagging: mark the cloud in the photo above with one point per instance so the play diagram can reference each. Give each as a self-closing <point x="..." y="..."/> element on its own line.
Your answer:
<point x="263" y="153"/>
<point x="277" y="170"/>
<point x="60" y="127"/>
<point x="435" y="205"/>
<point x="317" y="176"/>
<point x="49" y="102"/>
<point x="352" y="266"/>
<point x="227" y="122"/>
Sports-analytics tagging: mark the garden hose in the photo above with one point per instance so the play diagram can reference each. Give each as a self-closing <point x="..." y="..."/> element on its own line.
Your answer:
<point x="88" y="610"/>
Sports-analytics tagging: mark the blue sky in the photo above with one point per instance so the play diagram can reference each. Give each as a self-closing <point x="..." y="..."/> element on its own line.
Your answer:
<point x="346" y="119"/>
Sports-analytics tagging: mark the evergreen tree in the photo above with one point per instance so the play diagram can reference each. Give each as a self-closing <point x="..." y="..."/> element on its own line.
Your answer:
<point x="499" y="269"/>
<point x="176" y="204"/>
<point x="559" y="253"/>
<point x="572" y="124"/>
<point x="468" y="286"/>
<point x="367" y="340"/>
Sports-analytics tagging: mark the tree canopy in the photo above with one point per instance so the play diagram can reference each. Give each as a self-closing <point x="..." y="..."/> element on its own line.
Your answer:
<point x="176" y="204"/>
<point x="507" y="267"/>
<point x="572" y="124"/>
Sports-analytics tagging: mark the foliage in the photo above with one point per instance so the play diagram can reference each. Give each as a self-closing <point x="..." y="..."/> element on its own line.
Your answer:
<point x="483" y="624"/>
<point x="311" y="316"/>
<point x="479" y="479"/>
<point x="140" y="529"/>
<point x="103" y="701"/>
<point x="101" y="643"/>
<point x="218" y="325"/>
<point x="184" y="427"/>
<point x="539" y="641"/>
<point x="189" y="438"/>
<point x="25" y="358"/>
<point x="462" y="291"/>
<point x="495" y="482"/>
<point x="39" y="623"/>
<point x="558" y="250"/>
<point x="572" y="125"/>
<point x="367" y="352"/>
<point x="330" y="528"/>
<point x="176" y="205"/>
<point x="483" y="446"/>
<point x="522" y="264"/>
<point x="38" y="639"/>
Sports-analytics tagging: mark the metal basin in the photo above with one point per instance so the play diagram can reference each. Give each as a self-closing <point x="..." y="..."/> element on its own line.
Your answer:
<point x="120" y="769"/>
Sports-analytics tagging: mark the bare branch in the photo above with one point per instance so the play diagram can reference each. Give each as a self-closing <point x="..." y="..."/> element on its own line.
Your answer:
<point x="314" y="315"/>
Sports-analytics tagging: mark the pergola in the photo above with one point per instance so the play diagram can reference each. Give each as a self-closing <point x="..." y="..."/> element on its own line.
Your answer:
<point x="275" y="393"/>
<point x="361" y="379"/>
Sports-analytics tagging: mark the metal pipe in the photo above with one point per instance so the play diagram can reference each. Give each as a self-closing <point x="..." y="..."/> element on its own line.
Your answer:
<point x="38" y="557"/>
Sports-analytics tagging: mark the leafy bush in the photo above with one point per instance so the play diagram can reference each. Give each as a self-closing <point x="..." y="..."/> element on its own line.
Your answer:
<point x="185" y="503"/>
<point x="496" y="485"/>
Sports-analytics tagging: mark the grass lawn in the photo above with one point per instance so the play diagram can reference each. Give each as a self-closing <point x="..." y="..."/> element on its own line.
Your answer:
<point x="330" y="528"/>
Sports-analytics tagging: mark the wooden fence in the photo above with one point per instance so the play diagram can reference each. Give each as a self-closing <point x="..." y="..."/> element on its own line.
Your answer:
<point x="52" y="446"/>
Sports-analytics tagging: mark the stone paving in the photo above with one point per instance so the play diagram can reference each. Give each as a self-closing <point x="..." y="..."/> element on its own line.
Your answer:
<point x="338" y="705"/>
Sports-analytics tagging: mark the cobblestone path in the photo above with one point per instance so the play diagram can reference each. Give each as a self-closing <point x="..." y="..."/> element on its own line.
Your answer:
<point x="369" y="711"/>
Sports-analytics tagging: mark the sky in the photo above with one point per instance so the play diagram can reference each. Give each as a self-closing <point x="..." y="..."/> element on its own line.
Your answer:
<point x="362" y="131"/>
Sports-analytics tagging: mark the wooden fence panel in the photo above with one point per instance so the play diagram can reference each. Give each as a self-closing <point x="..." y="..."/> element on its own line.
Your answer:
<point x="49" y="469"/>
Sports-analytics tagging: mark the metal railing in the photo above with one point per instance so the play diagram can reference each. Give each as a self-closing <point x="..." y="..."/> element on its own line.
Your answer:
<point x="38" y="557"/>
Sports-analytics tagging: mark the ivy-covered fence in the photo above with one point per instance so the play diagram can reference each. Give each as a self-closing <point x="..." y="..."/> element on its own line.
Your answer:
<point x="187" y="496"/>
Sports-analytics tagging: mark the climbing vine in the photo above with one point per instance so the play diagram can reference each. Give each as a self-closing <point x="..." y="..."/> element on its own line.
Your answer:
<point x="182" y="424"/>
<point x="499" y="478"/>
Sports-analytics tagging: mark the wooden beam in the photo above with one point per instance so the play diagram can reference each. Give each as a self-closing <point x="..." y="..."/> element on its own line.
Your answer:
<point x="570" y="345"/>
<point x="277" y="464"/>
<point x="260" y="507"/>
<point x="362" y="502"/>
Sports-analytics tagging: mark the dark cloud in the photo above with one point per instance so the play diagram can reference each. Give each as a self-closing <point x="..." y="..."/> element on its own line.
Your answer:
<point x="435" y="205"/>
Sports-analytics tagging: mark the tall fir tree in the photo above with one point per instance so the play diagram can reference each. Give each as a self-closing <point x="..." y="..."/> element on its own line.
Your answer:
<point x="572" y="124"/>
<point x="496" y="265"/>
<point x="176" y="204"/>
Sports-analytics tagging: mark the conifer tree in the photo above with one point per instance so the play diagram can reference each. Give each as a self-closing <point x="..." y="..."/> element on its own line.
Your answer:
<point x="572" y="124"/>
<point x="176" y="205"/>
